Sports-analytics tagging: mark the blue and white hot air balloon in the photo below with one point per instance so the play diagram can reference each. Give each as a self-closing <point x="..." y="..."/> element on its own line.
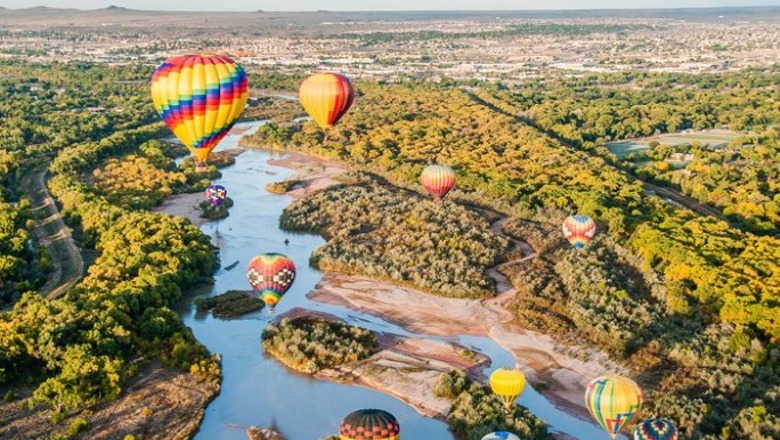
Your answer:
<point x="500" y="435"/>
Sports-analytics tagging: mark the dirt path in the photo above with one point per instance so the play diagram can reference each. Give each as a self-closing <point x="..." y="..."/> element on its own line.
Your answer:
<point x="50" y="231"/>
<point x="504" y="290"/>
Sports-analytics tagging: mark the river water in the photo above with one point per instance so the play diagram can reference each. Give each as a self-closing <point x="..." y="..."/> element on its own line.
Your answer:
<point x="257" y="390"/>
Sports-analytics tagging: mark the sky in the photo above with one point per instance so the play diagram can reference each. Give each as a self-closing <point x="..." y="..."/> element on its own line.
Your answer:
<point x="355" y="5"/>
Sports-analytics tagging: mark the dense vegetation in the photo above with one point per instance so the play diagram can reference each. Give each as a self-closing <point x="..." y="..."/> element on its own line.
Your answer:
<point x="384" y="232"/>
<point x="688" y="302"/>
<point x="309" y="344"/>
<point x="741" y="179"/>
<point x="79" y="350"/>
<point x="44" y="108"/>
<point x="230" y="304"/>
<point x="476" y="411"/>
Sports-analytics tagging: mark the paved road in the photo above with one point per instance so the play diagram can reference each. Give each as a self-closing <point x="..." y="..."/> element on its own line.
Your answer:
<point x="52" y="232"/>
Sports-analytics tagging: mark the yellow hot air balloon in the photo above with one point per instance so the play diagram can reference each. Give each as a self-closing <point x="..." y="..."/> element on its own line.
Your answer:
<point x="507" y="384"/>
<point x="326" y="97"/>
<point x="200" y="97"/>
<point x="613" y="401"/>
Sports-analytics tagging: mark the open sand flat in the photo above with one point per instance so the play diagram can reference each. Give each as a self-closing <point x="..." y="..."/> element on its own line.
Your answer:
<point x="314" y="173"/>
<point x="540" y="357"/>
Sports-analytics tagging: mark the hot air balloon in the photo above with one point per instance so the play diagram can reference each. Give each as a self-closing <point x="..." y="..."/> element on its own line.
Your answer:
<point x="507" y="384"/>
<point x="271" y="275"/>
<point x="216" y="194"/>
<point x="326" y="97"/>
<point x="501" y="435"/>
<point x="200" y="97"/>
<point x="613" y="401"/>
<point x="579" y="230"/>
<point x="656" y="429"/>
<point x="438" y="180"/>
<point x="373" y="424"/>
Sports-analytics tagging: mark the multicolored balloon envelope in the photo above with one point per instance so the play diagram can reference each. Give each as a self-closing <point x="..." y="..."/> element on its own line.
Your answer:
<point x="613" y="401"/>
<point x="507" y="384"/>
<point x="370" y="424"/>
<point x="579" y="230"/>
<point x="656" y="429"/>
<point x="200" y="97"/>
<point x="271" y="275"/>
<point x="501" y="435"/>
<point x="216" y="194"/>
<point x="438" y="180"/>
<point x="326" y="97"/>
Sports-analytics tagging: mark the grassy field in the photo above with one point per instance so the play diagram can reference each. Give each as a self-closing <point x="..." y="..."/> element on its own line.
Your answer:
<point x="714" y="138"/>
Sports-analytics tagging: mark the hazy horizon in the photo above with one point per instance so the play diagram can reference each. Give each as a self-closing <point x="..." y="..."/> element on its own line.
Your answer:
<point x="399" y="5"/>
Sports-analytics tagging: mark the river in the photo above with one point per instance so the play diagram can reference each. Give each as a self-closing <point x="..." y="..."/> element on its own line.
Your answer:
<point x="259" y="391"/>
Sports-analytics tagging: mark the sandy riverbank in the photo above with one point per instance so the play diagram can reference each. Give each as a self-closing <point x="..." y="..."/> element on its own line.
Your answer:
<point x="313" y="173"/>
<point x="158" y="404"/>
<point x="545" y="362"/>
<point x="553" y="367"/>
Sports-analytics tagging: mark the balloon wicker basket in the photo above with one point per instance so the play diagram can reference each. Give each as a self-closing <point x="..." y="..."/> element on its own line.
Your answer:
<point x="200" y="167"/>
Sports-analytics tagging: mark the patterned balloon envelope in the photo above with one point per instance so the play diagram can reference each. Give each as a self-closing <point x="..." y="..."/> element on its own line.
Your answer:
<point x="438" y="180"/>
<point x="271" y="275"/>
<point x="656" y="429"/>
<point x="501" y="435"/>
<point x="613" y="401"/>
<point x="370" y="424"/>
<point x="326" y="97"/>
<point x="216" y="194"/>
<point x="200" y="97"/>
<point x="579" y="230"/>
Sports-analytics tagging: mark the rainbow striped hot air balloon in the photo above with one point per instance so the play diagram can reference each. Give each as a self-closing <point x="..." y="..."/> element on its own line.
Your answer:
<point x="438" y="180"/>
<point x="200" y="97"/>
<point x="579" y="230"/>
<point x="656" y="429"/>
<point x="613" y="401"/>
<point x="271" y="275"/>
<point x="326" y="97"/>
<point x="370" y="424"/>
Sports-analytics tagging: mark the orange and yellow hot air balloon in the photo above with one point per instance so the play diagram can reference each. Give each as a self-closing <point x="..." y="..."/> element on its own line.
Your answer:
<point x="326" y="97"/>
<point x="613" y="401"/>
<point x="507" y="384"/>
<point x="438" y="180"/>
<point x="200" y="97"/>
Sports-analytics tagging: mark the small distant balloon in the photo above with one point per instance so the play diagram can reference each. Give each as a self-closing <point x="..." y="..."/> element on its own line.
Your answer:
<point x="656" y="429"/>
<point x="613" y="401"/>
<point x="374" y="424"/>
<point x="508" y="385"/>
<point x="579" y="230"/>
<point x="501" y="435"/>
<point x="438" y="180"/>
<point x="216" y="194"/>
<point x="326" y="97"/>
<point x="271" y="275"/>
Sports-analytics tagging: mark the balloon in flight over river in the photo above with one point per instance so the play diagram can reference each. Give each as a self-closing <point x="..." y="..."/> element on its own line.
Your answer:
<point x="216" y="194"/>
<point x="200" y="98"/>
<point x="373" y="424"/>
<point x="271" y="276"/>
